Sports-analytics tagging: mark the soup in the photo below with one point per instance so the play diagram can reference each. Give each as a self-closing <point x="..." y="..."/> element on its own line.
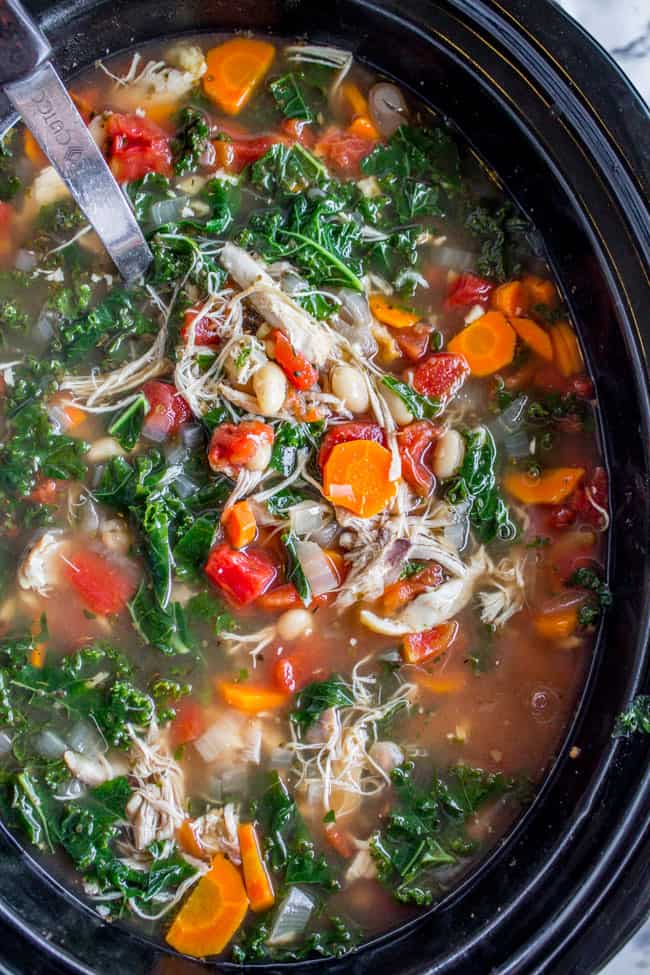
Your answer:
<point x="302" y="534"/>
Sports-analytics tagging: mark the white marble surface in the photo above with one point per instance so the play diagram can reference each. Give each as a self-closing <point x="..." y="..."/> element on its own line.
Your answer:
<point x="622" y="27"/>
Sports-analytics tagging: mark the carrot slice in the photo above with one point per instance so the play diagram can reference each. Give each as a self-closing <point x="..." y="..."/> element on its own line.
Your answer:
<point x="234" y="71"/>
<point x="239" y="524"/>
<point x="256" y="877"/>
<point x="534" y="336"/>
<point x="188" y="841"/>
<point x="37" y="654"/>
<point x="388" y="313"/>
<point x="558" y="625"/>
<point x="488" y="344"/>
<point x="353" y="101"/>
<point x="213" y="912"/>
<point x="363" y="128"/>
<point x="251" y="699"/>
<point x="510" y="298"/>
<point x="552" y="486"/>
<point x="540" y="291"/>
<point x="33" y="151"/>
<point x="566" y="351"/>
<point x="443" y="684"/>
<point x="356" y="477"/>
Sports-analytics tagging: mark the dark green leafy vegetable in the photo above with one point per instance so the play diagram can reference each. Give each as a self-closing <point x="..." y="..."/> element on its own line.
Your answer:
<point x="476" y="483"/>
<point x="635" y="720"/>
<point x="590" y="613"/>
<point x="294" y="569"/>
<point x="502" y="235"/>
<point x="289" y="98"/>
<point x="10" y="185"/>
<point x="190" y="140"/>
<point x="426" y="827"/>
<point x="166" y="629"/>
<point x="143" y="193"/>
<point x="107" y="327"/>
<point x="287" y="170"/>
<point x="331" y="941"/>
<point x="318" y="697"/>
<point x="420" y="406"/>
<point x="191" y="549"/>
<point x="126" y="426"/>
<point x="207" y="607"/>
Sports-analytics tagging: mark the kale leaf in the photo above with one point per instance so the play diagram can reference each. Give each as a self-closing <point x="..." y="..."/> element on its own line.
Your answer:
<point x="113" y="320"/>
<point x="635" y="719"/>
<point x="10" y="185"/>
<point x="290" y="99"/>
<point x="317" y="697"/>
<point x="190" y="140"/>
<point x="590" y="613"/>
<point x="476" y="483"/>
<point x="127" y="424"/>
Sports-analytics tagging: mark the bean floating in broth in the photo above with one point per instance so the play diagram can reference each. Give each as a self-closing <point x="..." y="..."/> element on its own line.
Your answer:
<point x="301" y="557"/>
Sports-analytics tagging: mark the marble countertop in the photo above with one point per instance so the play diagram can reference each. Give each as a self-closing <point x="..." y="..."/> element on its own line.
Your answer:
<point x="622" y="27"/>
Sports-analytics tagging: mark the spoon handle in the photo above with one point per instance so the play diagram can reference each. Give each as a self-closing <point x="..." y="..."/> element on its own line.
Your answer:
<point x="38" y="94"/>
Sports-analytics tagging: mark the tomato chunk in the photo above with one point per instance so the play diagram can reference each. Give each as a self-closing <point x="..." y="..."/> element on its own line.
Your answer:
<point x="468" y="289"/>
<point x="241" y="575"/>
<point x="441" y="375"/>
<point x="299" y="130"/>
<point x="417" y="647"/>
<point x="413" y="342"/>
<point x="349" y="431"/>
<point x="136" y="146"/>
<point x="104" y="586"/>
<point x="399" y="593"/>
<point x="48" y="490"/>
<point x="236" y="445"/>
<point x="414" y="443"/>
<point x="205" y="328"/>
<point x="167" y="410"/>
<point x="234" y="155"/>
<point x="189" y="723"/>
<point x="300" y="373"/>
<point x="344" y="152"/>
<point x="7" y="214"/>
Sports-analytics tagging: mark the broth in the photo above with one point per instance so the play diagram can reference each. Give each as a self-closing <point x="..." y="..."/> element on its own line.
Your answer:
<point x="302" y="535"/>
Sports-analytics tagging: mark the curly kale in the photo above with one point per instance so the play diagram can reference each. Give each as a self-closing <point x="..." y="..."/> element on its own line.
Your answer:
<point x="190" y="140"/>
<point x="10" y="185"/>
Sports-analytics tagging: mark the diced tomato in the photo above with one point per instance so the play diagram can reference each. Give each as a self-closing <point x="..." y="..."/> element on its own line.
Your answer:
<point x="413" y="342"/>
<point x="345" y="432"/>
<point x="441" y="375"/>
<point x="299" y="130"/>
<point x="189" y="723"/>
<point x="414" y="442"/>
<point x="7" y="214"/>
<point x="284" y="675"/>
<point x="340" y="841"/>
<point x="344" y="152"/>
<point x="136" y="146"/>
<point x="300" y="373"/>
<point x="167" y="410"/>
<point x="48" y="490"/>
<point x="205" y="329"/>
<point x="234" y="155"/>
<point x="242" y="575"/>
<point x="399" y="593"/>
<point x="417" y="647"/>
<point x="468" y="289"/>
<point x="280" y="599"/>
<point x="596" y="488"/>
<point x="104" y="586"/>
<point x="233" y="445"/>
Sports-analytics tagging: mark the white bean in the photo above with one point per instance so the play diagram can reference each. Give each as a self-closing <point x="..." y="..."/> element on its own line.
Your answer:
<point x="294" y="623"/>
<point x="448" y="454"/>
<point x="348" y="384"/>
<point x="261" y="458"/>
<point x="398" y="408"/>
<point x="270" y="386"/>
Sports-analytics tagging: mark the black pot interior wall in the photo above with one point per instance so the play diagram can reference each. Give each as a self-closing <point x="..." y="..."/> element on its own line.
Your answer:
<point x="473" y="63"/>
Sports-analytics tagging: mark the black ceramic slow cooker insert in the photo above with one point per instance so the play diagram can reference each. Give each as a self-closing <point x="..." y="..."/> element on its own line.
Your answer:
<point x="552" y="115"/>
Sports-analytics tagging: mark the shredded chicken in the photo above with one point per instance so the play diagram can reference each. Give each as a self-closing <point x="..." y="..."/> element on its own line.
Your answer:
<point x="216" y="832"/>
<point x="38" y="566"/>
<point x="156" y="807"/>
<point x="91" y="770"/>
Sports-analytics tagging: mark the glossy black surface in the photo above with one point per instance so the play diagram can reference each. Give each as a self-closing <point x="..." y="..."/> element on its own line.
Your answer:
<point x="569" y="138"/>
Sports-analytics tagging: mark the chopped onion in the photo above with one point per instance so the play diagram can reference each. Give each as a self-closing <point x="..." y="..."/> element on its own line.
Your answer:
<point x="58" y="418"/>
<point x="281" y="758"/>
<point x="25" y="260"/>
<point x="185" y="486"/>
<point x="220" y="737"/>
<point x="292" y="917"/>
<point x="307" y="516"/>
<point x="566" y="600"/>
<point x="192" y="436"/>
<point x="84" y="737"/>
<point x="355" y="307"/>
<point x="387" y="107"/>
<point x="517" y="445"/>
<point x="454" y="257"/>
<point x="513" y="416"/>
<point x="167" y="211"/>
<point x="49" y="745"/>
<point x="234" y="781"/>
<point x="89" y="517"/>
<point x="73" y="789"/>
<point x="154" y="433"/>
<point x="318" y="569"/>
<point x="175" y="453"/>
<point x="325" y="536"/>
<point x="457" y="534"/>
<point x="5" y="743"/>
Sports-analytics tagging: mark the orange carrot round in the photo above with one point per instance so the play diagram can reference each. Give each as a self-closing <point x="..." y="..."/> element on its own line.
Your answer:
<point x="534" y="336"/>
<point x="388" y="313"/>
<point x="213" y="912"/>
<point x="541" y="291"/>
<point x="234" y="71"/>
<point x="488" y="344"/>
<point x="356" y="477"/>
<point x="510" y="298"/>
<point x="552" y="486"/>
<point x="558" y="625"/>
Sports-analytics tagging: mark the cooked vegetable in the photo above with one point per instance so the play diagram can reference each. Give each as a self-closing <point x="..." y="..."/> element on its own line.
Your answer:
<point x="234" y="71"/>
<point x="240" y="525"/>
<point x="487" y="345"/>
<point x="534" y="336"/>
<point x="250" y="699"/>
<point x="566" y="350"/>
<point x="258" y="883"/>
<point x="356" y="476"/>
<point x="391" y="314"/>
<point x="549" y="487"/>
<point x="213" y="912"/>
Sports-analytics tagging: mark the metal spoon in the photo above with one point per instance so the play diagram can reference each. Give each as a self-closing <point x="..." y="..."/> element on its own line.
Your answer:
<point x="38" y="94"/>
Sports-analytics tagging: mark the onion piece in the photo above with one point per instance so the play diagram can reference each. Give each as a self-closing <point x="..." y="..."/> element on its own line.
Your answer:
<point x="84" y="737"/>
<point x="457" y="534"/>
<point x="234" y="781"/>
<point x="307" y="516"/>
<point x="25" y="260"/>
<point x="192" y="436"/>
<point x="6" y="743"/>
<point x="354" y="307"/>
<point x="185" y="486"/>
<point x="319" y="571"/>
<point x="293" y="916"/>
<point x="512" y="417"/>
<point x="49" y="745"/>
<point x="454" y="257"/>
<point x="388" y="109"/>
<point x="517" y="445"/>
<point x="167" y="211"/>
<point x="220" y="738"/>
<point x="566" y="600"/>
